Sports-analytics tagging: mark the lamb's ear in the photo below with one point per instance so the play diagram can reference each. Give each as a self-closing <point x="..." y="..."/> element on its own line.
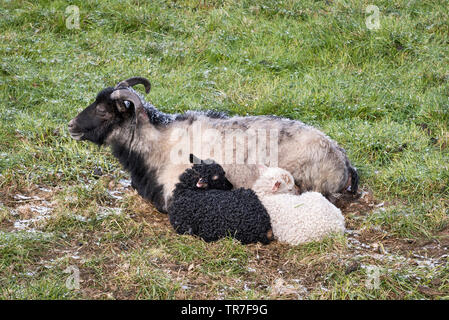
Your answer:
<point x="125" y="98"/>
<point x="194" y="160"/>
<point x="276" y="186"/>
<point x="262" y="168"/>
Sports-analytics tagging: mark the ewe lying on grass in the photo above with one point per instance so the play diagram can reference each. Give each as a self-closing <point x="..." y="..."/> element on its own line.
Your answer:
<point x="203" y="204"/>
<point x="145" y="140"/>
<point x="296" y="219"/>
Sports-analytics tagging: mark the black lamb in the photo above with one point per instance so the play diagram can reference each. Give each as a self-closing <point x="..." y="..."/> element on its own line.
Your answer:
<point x="204" y="205"/>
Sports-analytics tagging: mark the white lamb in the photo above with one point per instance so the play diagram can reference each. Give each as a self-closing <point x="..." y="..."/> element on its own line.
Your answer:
<point x="295" y="218"/>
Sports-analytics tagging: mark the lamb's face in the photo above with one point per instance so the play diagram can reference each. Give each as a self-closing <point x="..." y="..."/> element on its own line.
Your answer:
<point x="275" y="181"/>
<point x="211" y="176"/>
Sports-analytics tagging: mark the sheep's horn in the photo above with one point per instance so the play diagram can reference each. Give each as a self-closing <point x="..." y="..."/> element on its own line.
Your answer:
<point x="133" y="81"/>
<point x="126" y="95"/>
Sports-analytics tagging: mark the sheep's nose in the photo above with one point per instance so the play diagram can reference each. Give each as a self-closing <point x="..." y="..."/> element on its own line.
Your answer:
<point x="201" y="183"/>
<point x="72" y="123"/>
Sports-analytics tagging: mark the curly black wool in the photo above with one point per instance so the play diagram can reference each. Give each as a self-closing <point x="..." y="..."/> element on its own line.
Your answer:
<point x="204" y="205"/>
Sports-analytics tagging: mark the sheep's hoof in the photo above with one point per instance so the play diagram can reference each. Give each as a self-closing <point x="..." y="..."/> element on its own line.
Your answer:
<point x="270" y="235"/>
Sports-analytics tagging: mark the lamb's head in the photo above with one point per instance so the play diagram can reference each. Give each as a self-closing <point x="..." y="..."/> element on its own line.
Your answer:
<point x="274" y="180"/>
<point x="205" y="174"/>
<point x="111" y="108"/>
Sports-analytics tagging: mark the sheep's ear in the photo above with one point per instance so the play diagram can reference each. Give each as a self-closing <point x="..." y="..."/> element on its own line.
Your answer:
<point x="194" y="160"/>
<point x="125" y="98"/>
<point x="262" y="168"/>
<point x="276" y="186"/>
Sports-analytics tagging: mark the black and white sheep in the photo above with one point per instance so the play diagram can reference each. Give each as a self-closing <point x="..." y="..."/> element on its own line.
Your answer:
<point x="145" y="141"/>
<point x="204" y="205"/>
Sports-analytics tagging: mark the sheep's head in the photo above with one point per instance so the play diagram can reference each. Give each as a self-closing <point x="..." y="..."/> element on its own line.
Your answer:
<point x="110" y="109"/>
<point x="275" y="180"/>
<point x="206" y="174"/>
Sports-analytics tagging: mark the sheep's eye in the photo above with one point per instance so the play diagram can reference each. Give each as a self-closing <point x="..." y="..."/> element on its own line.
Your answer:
<point x="215" y="177"/>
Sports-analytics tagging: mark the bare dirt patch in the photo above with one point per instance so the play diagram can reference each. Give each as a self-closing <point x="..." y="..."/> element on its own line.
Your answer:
<point x="361" y="203"/>
<point x="277" y="270"/>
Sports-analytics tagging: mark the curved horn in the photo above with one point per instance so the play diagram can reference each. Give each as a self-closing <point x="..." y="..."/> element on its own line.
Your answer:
<point x="133" y="81"/>
<point x="126" y="95"/>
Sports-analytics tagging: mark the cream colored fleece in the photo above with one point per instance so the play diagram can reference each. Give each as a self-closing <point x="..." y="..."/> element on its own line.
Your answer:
<point x="294" y="218"/>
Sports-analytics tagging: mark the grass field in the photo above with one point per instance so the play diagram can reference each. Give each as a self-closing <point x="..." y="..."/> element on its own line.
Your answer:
<point x="382" y="94"/>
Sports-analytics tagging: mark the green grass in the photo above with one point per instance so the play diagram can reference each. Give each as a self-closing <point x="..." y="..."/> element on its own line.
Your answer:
<point x="382" y="94"/>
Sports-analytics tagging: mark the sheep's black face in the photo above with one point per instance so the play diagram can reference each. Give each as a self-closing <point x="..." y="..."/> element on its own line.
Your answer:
<point x="98" y="120"/>
<point x="211" y="176"/>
